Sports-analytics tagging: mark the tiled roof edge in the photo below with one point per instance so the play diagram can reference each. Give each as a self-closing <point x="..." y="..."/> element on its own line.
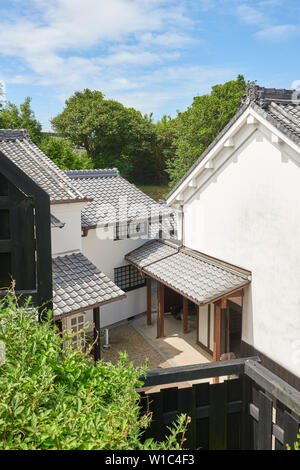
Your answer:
<point x="74" y="174"/>
<point x="241" y="110"/>
<point x="14" y="134"/>
<point x="258" y="98"/>
<point x="275" y="123"/>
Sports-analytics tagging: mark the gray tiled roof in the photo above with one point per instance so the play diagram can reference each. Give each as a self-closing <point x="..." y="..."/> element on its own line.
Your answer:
<point x="78" y="284"/>
<point x="151" y="252"/>
<point x="195" y="275"/>
<point x="55" y="222"/>
<point x="107" y="189"/>
<point x="17" y="146"/>
<point x="278" y="106"/>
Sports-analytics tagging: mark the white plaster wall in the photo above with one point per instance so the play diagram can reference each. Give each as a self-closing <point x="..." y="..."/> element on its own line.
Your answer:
<point x="67" y="238"/>
<point x="203" y="325"/>
<point x="107" y="255"/>
<point x="249" y="214"/>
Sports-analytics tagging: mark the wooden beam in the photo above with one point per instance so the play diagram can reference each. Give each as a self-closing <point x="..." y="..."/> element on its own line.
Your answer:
<point x="195" y="371"/>
<point x="97" y="347"/>
<point x="271" y="383"/>
<point x="239" y="293"/>
<point x="217" y="332"/>
<point x="149" y="301"/>
<point x="217" y="336"/>
<point x="161" y="311"/>
<point x="185" y="312"/>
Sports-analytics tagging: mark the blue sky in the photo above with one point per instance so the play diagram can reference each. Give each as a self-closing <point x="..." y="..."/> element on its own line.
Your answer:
<point x="155" y="55"/>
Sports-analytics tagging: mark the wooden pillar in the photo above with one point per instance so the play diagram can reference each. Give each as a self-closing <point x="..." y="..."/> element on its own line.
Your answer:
<point x="96" y="320"/>
<point x="149" y="301"/>
<point x="185" y="312"/>
<point x="161" y="311"/>
<point x="217" y="336"/>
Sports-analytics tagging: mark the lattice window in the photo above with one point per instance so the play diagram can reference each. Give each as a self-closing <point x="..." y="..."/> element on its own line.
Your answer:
<point x="76" y="323"/>
<point x="130" y="230"/>
<point x="128" y="278"/>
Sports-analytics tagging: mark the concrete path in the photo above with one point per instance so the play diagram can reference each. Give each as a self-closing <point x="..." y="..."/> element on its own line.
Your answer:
<point x="177" y="348"/>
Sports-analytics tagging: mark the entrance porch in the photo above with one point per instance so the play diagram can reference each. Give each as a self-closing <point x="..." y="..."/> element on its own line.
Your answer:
<point x="204" y="293"/>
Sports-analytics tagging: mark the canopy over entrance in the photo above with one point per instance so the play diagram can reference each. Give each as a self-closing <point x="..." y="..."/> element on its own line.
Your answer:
<point x="196" y="276"/>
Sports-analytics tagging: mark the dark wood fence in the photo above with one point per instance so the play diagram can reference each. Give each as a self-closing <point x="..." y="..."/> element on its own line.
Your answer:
<point x="253" y="409"/>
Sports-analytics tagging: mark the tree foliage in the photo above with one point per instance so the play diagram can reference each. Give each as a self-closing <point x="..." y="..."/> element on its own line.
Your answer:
<point x="113" y="135"/>
<point x="197" y="127"/>
<point x="22" y="117"/>
<point x="55" y="398"/>
<point x="64" y="155"/>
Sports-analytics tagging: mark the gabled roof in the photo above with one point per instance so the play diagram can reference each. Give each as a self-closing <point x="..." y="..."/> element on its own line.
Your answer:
<point x="197" y="276"/>
<point x="78" y="285"/>
<point x="279" y="107"/>
<point x="17" y="146"/>
<point x="107" y="189"/>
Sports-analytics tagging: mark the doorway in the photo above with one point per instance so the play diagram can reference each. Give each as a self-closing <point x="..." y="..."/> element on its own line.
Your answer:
<point x="231" y="329"/>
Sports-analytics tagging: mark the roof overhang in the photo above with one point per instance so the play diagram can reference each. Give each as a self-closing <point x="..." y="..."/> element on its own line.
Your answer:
<point x="200" y="278"/>
<point x="91" y="307"/>
<point x="249" y="121"/>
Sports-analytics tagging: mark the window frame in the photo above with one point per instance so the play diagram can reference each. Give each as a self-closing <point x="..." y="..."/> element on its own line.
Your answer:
<point x="128" y="273"/>
<point x="68" y="325"/>
<point x="119" y="227"/>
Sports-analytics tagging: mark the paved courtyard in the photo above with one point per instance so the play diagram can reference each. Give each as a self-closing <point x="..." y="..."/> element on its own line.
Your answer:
<point x="178" y="349"/>
<point x="127" y="339"/>
<point x="139" y="342"/>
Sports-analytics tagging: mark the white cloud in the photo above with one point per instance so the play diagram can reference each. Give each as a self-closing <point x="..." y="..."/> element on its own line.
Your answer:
<point x="277" y="33"/>
<point x="184" y="82"/>
<point x="250" y="15"/>
<point x="260" y="14"/>
<point x="60" y="28"/>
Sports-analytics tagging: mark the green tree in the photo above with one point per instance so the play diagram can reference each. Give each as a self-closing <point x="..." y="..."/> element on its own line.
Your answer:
<point x="55" y="398"/>
<point x="197" y="127"/>
<point x="12" y="117"/>
<point x="164" y="148"/>
<point x="112" y="135"/>
<point x="63" y="154"/>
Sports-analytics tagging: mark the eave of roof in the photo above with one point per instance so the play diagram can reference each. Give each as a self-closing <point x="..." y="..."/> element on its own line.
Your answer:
<point x="16" y="145"/>
<point x="197" y="276"/>
<point x="55" y="222"/>
<point x="106" y="187"/>
<point x="259" y="99"/>
<point x="79" y="285"/>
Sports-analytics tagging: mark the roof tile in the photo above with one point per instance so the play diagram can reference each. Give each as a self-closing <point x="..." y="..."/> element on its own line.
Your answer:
<point x="77" y="284"/>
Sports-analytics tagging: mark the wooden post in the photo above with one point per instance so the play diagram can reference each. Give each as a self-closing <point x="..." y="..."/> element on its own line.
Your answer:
<point x="149" y="301"/>
<point x="217" y="336"/>
<point x="161" y="311"/>
<point x="185" y="312"/>
<point x="96" y="319"/>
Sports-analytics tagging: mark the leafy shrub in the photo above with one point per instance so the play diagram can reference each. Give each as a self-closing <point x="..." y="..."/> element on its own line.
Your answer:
<point x="54" y="398"/>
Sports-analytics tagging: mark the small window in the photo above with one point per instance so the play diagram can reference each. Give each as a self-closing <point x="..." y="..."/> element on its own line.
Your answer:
<point x="130" y="230"/>
<point x="121" y="232"/>
<point x="76" y="323"/>
<point x="129" y="278"/>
